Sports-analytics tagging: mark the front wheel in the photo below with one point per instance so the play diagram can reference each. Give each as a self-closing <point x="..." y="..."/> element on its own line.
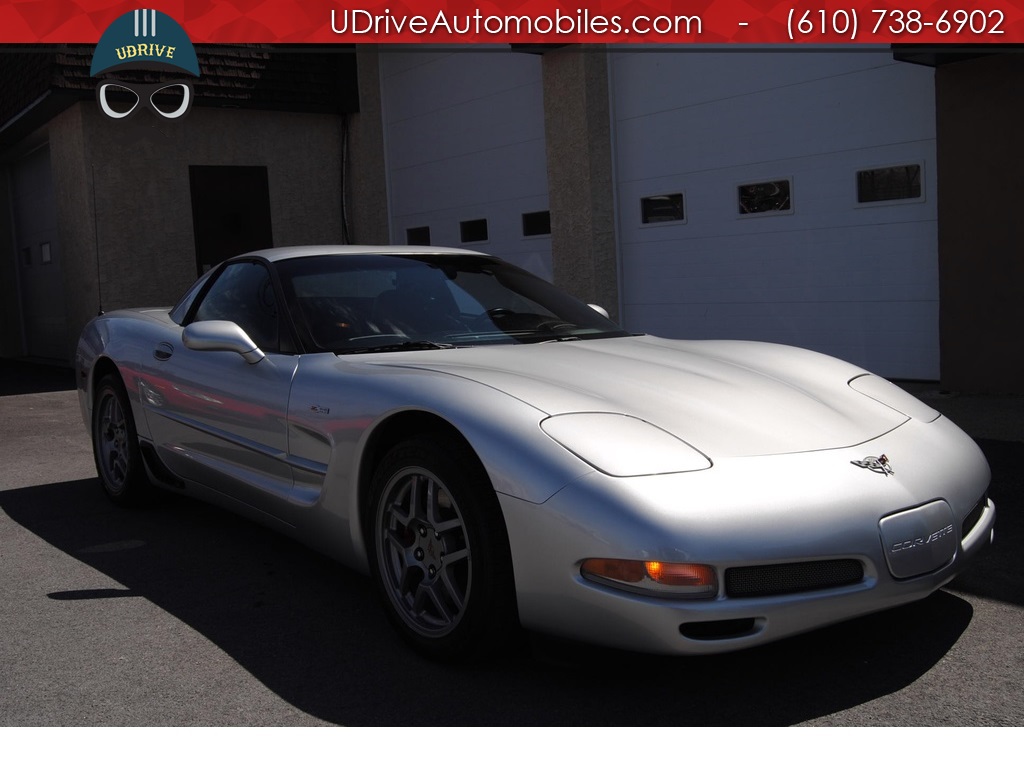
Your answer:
<point x="439" y="552"/>
<point x="115" y="444"/>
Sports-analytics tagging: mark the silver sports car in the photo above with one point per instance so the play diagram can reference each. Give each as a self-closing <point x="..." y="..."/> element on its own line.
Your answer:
<point x="497" y="454"/>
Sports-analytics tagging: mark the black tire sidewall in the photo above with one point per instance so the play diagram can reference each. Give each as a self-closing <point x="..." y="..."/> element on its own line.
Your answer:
<point x="135" y="485"/>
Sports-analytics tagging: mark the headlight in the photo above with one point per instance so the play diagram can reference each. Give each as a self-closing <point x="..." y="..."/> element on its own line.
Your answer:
<point x="653" y="577"/>
<point x="623" y="446"/>
<point x="889" y="394"/>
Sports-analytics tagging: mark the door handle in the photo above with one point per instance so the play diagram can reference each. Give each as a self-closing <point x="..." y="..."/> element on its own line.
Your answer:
<point x="163" y="351"/>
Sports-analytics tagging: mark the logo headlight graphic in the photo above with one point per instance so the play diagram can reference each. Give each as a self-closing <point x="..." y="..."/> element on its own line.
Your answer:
<point x="119" y="99"/>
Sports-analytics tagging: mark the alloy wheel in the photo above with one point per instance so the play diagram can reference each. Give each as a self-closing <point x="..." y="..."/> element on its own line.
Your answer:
<point x="424" y="553"/>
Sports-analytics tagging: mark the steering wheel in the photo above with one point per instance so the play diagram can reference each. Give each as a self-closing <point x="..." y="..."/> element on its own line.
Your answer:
<point x="491" y="319"/>
<point x="556" y="326"/>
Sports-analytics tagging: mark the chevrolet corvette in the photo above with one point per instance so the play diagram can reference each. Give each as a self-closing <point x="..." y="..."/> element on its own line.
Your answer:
<point x="497" y="454"/>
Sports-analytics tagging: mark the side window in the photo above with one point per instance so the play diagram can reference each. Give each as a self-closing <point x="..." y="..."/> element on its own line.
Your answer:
<point x="244" y="293"/>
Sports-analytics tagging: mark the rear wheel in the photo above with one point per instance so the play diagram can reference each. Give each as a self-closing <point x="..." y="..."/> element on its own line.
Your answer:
<point x="439" y="552"/>
<point x="115" y="444"/>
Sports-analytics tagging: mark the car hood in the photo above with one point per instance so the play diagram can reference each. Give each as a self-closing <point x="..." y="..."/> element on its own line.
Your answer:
<point x="726" y="398"/>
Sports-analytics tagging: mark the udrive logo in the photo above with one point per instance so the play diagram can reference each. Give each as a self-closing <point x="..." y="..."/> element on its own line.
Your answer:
<point x="133" y="47"/>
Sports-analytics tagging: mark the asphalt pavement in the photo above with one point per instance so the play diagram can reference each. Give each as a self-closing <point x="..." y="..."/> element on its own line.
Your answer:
<point x="183" y="614"/>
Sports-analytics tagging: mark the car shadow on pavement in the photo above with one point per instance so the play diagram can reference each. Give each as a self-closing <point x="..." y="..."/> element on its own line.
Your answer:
<point x="997" y="574"/>
<point x="312" y="632"/>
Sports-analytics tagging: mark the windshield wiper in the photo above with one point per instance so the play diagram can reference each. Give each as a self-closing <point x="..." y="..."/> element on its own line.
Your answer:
<point x="398" y="347"/>
<point x="544" y="338"/>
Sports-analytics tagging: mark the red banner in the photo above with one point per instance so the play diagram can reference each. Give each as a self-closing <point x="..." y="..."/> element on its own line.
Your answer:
<point x="454" y="22"/>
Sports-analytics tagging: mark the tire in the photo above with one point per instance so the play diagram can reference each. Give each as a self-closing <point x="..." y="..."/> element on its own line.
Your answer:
<point x="115" y="444"/>
<point x="438" y="550"/>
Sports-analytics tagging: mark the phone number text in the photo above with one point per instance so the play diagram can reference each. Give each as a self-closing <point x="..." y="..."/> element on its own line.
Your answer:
<point x="846" y="23"/>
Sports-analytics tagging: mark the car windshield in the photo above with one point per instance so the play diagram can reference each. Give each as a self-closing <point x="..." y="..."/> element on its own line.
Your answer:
<point x="379" y="303"/>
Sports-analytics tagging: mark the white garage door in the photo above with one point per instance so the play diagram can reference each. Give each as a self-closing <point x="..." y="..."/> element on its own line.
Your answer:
<point x="464" y="136"/>
<point x="831" y="155"/>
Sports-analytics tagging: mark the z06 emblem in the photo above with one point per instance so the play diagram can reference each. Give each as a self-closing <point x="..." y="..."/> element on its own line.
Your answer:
<point x="879" y="464"/>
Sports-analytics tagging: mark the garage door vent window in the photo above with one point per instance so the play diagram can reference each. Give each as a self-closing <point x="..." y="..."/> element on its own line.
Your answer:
<point x="473" y="231"/>
<point x="537" y="224"/>
<point x="417" y="236"/>
<point x="898" y="182"/>
<point x="657" y="209"/>
<point x="765" y="197"/>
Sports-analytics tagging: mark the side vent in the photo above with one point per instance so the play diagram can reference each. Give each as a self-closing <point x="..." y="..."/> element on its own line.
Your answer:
<point x="157" y="468"/>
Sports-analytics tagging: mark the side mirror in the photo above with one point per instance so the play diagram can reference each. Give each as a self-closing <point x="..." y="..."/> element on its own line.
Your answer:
<point x="221" y="336"/>
<point x="600" y="310"/>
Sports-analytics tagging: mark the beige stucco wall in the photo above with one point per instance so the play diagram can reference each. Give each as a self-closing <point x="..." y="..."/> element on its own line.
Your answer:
<point x="579" y="157"/>
<point x="124" y="202"/>
<point x="366" y="192"/>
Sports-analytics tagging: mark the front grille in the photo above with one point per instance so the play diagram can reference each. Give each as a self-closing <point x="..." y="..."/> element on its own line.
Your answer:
<point x="787" y="578"/>
<point x="972" y="519"/>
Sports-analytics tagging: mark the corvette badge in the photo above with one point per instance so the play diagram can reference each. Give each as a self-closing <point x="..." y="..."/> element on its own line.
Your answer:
<point x="878" y="464"/>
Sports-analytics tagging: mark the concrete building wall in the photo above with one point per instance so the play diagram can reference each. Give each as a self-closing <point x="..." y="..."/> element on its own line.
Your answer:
<point x="579" y="149"/>
<point x="72" y="179"/>
<point x="366" y="190"/>
<point x="857" y="281"/>
<point x="981" y="229"/>
<point x="464" y="133"/>
<point x="124" y="201"/>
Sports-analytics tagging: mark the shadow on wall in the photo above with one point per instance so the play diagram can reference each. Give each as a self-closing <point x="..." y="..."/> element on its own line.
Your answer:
<point x="18" y="377"/>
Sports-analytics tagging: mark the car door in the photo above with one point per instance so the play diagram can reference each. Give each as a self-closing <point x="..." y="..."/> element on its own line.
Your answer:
<point x="215" y="418"/>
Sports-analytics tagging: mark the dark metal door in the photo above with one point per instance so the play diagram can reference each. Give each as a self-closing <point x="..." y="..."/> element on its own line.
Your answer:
<point x="40" y="279"/>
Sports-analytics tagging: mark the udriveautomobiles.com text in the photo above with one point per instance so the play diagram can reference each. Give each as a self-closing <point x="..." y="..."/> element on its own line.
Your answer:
<point x="477" y="24"/>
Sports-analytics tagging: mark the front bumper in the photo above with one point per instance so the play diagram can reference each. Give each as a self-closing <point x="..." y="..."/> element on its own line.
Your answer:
<point x="754" y="511"/>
